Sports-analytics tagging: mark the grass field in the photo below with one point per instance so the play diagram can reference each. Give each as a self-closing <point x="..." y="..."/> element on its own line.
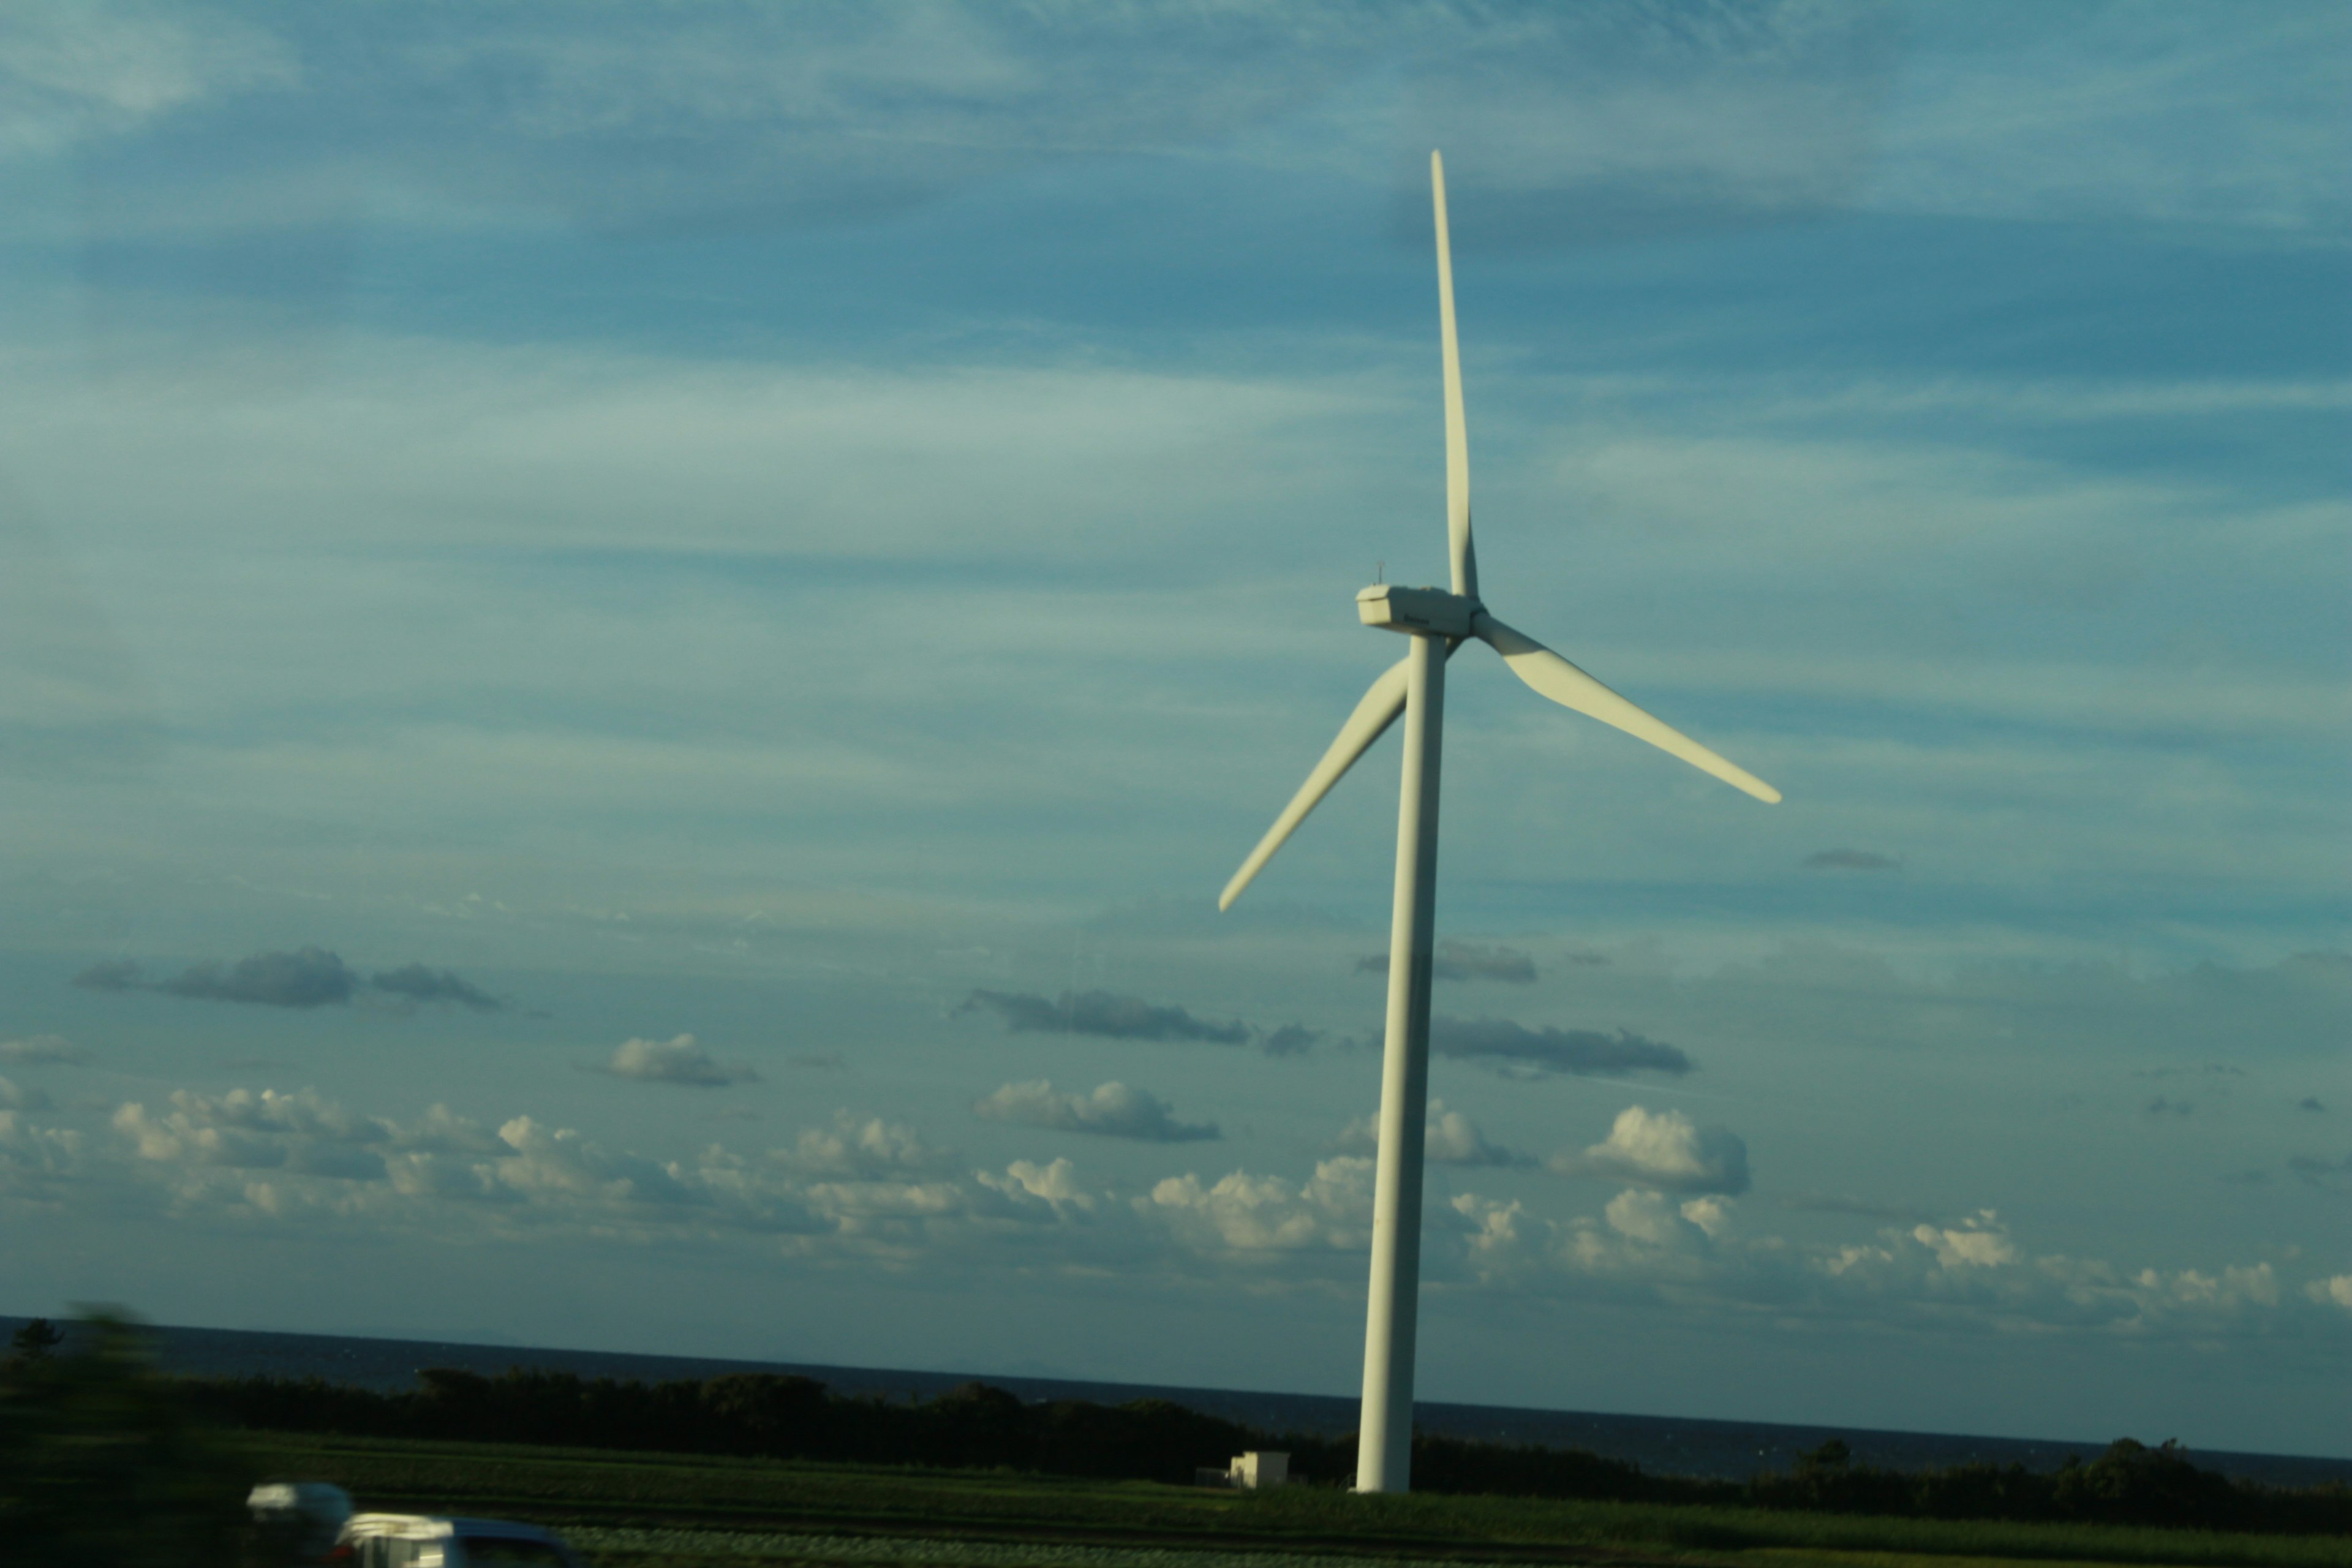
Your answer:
<point x="670" y="1511"/>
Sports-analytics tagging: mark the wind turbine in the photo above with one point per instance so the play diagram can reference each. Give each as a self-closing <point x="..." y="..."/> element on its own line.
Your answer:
<point x="1436" y="622"/>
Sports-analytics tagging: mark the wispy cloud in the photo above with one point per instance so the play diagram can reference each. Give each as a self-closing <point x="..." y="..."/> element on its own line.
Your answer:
<point x="1465" y="961"/>
<point x="1850" y="860"/>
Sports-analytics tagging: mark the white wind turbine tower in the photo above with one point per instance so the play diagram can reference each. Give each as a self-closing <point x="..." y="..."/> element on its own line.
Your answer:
<point x="1437" y="621"/>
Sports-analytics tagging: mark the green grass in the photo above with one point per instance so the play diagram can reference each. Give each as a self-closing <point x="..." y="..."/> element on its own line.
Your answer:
<point x="655" y="1511"/>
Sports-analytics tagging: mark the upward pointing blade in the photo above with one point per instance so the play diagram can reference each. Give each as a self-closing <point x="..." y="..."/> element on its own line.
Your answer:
<point x="1457" y="433"/>
<point x="1372" y="716"/>
<point x="1555" y="677"/>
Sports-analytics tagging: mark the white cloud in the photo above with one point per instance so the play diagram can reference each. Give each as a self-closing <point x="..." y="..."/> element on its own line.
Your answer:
<point x="1979" y="1241"/>
<point x="1449" y="1138"/>
<point x="676" y="1061"/>
<point x="2336" y="1289"/>
<point x="40" y="1049"/>
<point x="1663" y="1150"/>
<point x="14" y="1098"/>
<point x="1110" y="1111"/>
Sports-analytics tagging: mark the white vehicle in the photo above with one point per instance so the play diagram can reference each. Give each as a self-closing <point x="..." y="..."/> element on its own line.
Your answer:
<point x="422" y="1540"/>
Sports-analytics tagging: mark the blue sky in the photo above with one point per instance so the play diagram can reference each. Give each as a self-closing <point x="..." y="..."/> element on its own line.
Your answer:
<point x="634" y="643"/>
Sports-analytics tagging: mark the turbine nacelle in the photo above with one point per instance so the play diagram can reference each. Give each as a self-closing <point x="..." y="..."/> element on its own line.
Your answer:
<point x="1423" y="611"/>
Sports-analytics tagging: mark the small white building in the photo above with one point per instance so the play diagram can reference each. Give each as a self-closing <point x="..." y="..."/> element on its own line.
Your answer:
<point x="1251" y="1470"/>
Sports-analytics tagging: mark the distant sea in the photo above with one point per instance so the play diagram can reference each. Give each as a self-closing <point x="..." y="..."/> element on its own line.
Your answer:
<point x="1662" y="1445"/>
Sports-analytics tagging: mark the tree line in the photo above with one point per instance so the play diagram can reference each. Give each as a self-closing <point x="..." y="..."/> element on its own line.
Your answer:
<point x="978" y="1427"/>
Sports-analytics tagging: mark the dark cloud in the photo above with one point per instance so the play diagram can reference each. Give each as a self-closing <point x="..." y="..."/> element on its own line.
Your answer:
<point x="1576" y="958"/>
<point x="305" y="977"/>
<point x="2321" y="1173"/>
<point x="1290" y="1040"/>
<point x="417" y="984"/>
<point x="1499" y="1043"/>
<point x="113" y="974"/>
<point x="1466" y="961"/>
<point x="2309" y="1102"/>
<point x="1101" y="1013"/>
<point x="308" y="977"/>
<point x="2161" y="1106"/>
<point x="1850" y="860"/>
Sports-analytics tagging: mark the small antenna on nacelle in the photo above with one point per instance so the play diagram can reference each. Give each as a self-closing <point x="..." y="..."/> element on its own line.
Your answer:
<point x="1380" y="570"/>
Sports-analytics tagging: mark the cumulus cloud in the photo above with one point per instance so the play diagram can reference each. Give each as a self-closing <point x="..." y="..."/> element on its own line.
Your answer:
<point x="1448" y="1138"/>
<point x="40" y="1049"/>
<point x="851" y="1147"/>
<point x="865" y="1187"/>
<point x="1499" y="1043"/>
<point x="1850" y="860"/>
<point x="1103" y="1014"/>
<point x="14" y="1098"/>
<point x="302" y="978"/>
<point x="415" y="982"/>
<point x="1662" y="1149"/>
<point x="1111" y="1110"/>
<point x="301" y="1132"/>
<point x="1242" y="1212"/>
<point x="1979" y="1241"/>
<point x="675" y="1060"/>
<point x="37" y="1162"/>
<point x="1465" y="961"/>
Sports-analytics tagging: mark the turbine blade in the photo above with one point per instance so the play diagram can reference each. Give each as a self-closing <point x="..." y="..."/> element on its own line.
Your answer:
<point x="1457" y="436"/>
<point x="1374" y="714"/>
<point x="1555" y="677"/>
